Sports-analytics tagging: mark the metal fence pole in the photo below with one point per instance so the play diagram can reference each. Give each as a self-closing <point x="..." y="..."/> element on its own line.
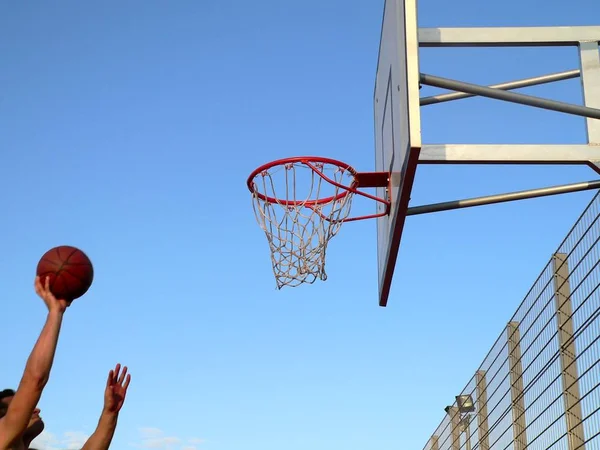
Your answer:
<point x="482" y="413"/>
<point x="435" y="442"/>
<point x="516" y="386"/>
<point x="454" y="415"/>
<point x="567" y="352"/>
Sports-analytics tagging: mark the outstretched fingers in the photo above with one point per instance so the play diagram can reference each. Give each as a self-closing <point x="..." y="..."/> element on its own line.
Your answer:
<point x="111" y="376"/>
<point x="123" y="376"/>
<point x="116" y="373"/>
<point x="118" y="377"/>
<point x="127" y="380"/>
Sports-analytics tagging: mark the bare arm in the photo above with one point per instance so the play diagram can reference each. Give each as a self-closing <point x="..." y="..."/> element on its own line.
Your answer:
<point x="114" y="396"/>
<point x="37" y="371"/>
<point x="102" y="436"/>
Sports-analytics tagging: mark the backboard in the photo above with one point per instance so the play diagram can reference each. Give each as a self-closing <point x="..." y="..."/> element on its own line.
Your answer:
<point x="397" y="127"/>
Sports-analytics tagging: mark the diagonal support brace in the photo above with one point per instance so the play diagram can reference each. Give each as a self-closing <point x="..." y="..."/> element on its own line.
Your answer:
<point x="502" y="198"/>
<point x="517" y="84"/>
<point x="513" y="97"/>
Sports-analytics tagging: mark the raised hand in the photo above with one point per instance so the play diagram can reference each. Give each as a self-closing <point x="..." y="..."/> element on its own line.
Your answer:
<point x="43" y="290"/>
<point x="116" y="389"/>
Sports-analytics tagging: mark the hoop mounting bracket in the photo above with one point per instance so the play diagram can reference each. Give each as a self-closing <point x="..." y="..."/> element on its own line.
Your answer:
<point x="372" y="179"/>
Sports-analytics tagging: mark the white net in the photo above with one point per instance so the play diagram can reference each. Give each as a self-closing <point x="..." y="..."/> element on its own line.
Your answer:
<point x="300" y="211"/>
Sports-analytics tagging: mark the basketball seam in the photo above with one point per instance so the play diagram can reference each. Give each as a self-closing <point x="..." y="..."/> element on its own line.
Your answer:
<point x="76" y="264"/>
<point x="75" y="250"/>
<point x="49" y="261"/>
<point x="74" y="276"/>
<point x="58" y="268"/>
<point x="62" y="265"/>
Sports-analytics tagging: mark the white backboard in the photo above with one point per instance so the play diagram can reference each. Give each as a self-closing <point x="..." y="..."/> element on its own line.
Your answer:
<point x="397" y="127"/>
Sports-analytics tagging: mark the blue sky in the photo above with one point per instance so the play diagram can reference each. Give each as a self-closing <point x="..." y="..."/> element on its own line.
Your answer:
<point x="128" y="129"/>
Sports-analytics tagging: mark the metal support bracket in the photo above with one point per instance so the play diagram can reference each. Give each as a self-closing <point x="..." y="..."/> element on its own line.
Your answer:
<point x="372" y="179"/>
<point x="525" y="82"/>
<point x="576" y="154"/>
<point x="513" y="97"/>
<point x="502" y="198"/>
<point x="586" y="39"/>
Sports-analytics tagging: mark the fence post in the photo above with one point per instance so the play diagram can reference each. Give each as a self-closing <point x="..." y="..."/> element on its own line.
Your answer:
<point x="482" y="423"/>
<point x="567" y="352"/>
<point x="435" y="442"/>
<point x="454" y="415"/>
<point x="516" y="386"/>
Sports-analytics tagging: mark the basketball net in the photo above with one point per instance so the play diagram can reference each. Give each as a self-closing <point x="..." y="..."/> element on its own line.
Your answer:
<point x="300" y="206"/>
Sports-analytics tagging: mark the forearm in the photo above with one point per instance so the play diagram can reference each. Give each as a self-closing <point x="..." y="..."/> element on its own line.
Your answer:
<point x="102" y="437"/>
<point x="35" y="377"/>
<point x="41" y="358"/>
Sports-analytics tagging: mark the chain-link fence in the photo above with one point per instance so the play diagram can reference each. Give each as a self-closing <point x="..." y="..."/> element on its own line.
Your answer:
<point x="537" y="388"/>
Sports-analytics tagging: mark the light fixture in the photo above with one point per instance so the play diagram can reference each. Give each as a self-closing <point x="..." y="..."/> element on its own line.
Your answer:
<point x="465" y="404"/>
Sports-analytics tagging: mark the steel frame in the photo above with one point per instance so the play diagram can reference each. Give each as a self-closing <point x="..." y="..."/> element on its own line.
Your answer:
<point x="585" y="38"/>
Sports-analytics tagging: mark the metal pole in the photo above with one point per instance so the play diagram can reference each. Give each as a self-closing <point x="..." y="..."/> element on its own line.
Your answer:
<point x="515" y="372"/>
<point x="501" y="198"/>
<point x="589" y="58"/>
<point x="507" y="96"/>
<point x="454" y="414"/>
<point x="526" y="82"/>
<point x="482" y="412"/>
<point x="568" y="352"/>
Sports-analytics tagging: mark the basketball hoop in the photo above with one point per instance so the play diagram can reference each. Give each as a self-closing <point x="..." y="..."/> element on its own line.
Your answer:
<point x="301" y="203"/>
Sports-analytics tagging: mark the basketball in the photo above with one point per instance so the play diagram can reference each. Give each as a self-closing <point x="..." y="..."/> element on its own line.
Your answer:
<point x="70" y="270"/>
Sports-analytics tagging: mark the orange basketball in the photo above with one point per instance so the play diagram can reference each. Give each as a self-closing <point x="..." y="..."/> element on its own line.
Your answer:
<point x="70" y="270"/>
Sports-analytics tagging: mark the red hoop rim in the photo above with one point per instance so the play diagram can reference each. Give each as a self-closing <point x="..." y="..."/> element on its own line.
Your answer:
<point x="306" y="160"/>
